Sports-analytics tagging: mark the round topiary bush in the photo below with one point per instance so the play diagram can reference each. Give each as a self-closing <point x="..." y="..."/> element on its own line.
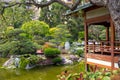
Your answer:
<point x="51" y="52"/>
<point x="57" y="60"/>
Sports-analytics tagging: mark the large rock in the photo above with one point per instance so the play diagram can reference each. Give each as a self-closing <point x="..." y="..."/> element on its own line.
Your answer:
<point x="67" y="61"/>
<point x="74" y="57"/>
<point x="9" y="63"/>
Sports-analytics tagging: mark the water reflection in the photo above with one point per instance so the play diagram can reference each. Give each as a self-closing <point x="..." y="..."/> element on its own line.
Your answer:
<point x="38" y="73"/>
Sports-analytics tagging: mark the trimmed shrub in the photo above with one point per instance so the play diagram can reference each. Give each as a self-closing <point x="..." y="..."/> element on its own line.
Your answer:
<point x="28" y="59"/>
<point x="57" y="60"/>
<point x="51" y="52"/>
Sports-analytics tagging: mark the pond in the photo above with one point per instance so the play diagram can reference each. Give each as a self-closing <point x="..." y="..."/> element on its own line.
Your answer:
<point x="38" y="73"/>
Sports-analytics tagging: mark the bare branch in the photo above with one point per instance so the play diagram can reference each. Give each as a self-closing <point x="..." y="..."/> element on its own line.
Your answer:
<point x="41" y="4"/>
<point x="31" y="2"/>
<point x="76" y="4"/>
<point x="73" y="7"/>
<point x="44" y="4"/>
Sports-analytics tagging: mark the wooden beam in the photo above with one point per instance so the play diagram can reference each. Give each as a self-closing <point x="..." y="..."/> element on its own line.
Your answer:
<point x="102" y="57"/>
<point x="98" y="19"/>
<point x="102" y="66"/>
<point x="92" y="8"/>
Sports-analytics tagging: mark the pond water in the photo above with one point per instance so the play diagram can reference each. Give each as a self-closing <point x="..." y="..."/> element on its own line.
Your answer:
<point x="38" y="73"/>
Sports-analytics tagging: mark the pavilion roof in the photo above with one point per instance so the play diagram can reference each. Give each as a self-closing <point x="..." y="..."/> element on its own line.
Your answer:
<point x="80" y="7"/>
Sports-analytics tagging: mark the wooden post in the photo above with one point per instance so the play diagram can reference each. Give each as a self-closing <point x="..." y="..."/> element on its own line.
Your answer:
<point x="94" y="47"/>
<point x="86" y="40"/>
<point x="112" y="43"/>
<point x="101" y="47"/>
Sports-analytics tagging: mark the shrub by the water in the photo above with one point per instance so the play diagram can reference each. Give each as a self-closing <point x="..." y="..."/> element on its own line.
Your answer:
<point x="51" y="52"/>
<point x="79" y="52"/>
<point x="57" y="60"/>
<point x="28" y="59"/>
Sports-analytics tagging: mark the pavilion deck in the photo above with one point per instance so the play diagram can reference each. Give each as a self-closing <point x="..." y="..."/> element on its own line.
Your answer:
<point x="99" y="53"/>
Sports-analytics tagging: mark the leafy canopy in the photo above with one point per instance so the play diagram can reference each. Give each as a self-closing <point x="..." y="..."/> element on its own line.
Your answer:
<point x="36" y="28"/>
<point x="59" y="33"/>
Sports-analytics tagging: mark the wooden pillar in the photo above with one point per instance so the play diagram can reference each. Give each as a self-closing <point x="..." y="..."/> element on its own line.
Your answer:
<point x="86" y="39"/>
<point x="112" y="43"/>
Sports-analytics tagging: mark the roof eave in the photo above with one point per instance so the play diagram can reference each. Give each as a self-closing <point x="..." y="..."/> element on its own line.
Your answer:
<point x="80" y="7"/>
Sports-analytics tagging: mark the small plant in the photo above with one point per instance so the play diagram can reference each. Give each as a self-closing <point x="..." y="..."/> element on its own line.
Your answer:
<point x="79" y="52"/>
<point x="57" y="60"/>
<point x="28" y="59"/>
<point x="98" y="75"/>
<point x="66" y="75"/>
<point x="51" y="52"/>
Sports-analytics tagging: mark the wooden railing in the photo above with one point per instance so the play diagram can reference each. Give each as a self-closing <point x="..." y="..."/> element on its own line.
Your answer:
<point x="102" y="47"/>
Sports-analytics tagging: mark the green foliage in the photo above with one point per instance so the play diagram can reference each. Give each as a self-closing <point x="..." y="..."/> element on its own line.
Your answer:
<point x="77" y="49"/>
<point x="51" y="52"/>
<point x="39" y="40"/>
<point x="35" y="28"/>
<point x="17" y="47"/>
<point x="28" y="59"/>
<point x="80" y="52"/>
<point x="103" y="35"/>
<point x="15" y="16"/>
<point x="16" y="41"/>
<point x="75" y="25"/>
<point x="97" y="32"/>
<point x="98" y="75"/>
<point x="59" y="34"/>
<point x="67" y="75"/>
<point x="81" y="35"/>
<point x="4" y="48"/>
<point x="53" y="15"/>
<point x="25" y="40"/>
<point x="57" y="60"/>
<point x="15" y="34"/>
<point x="23" y="63"/>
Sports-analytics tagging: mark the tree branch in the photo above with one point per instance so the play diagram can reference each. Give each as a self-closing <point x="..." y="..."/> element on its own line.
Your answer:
<point x="41" y="4"/>
<point x="73" y="7"/>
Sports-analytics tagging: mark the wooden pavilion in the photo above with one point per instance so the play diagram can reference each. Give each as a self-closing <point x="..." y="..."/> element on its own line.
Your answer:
<point x="101" y="53"/>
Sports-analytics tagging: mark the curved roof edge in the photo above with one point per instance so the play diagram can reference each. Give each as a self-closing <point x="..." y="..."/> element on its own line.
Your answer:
<point x="80" y="7"/>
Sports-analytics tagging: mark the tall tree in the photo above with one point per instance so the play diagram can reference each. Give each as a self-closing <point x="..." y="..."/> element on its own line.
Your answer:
<point x="75" y="25"/>
<point x="53" y="14"/>
<point x="15" y="16"/>
<point x="59" y="34"/>
<point x="15" y="41"/>
<point x="97" y="32"/>
<point x="36" y="30"/>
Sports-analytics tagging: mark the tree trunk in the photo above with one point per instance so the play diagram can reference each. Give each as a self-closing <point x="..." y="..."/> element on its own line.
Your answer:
<point x="114" y="8"/>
